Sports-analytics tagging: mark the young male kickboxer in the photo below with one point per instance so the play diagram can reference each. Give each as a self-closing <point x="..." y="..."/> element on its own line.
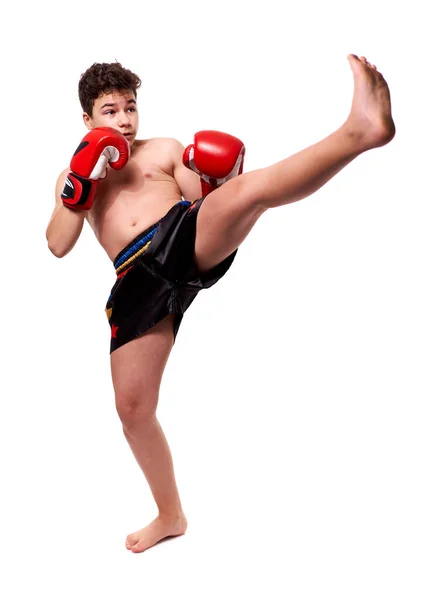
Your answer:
<point x="167" y="242"/>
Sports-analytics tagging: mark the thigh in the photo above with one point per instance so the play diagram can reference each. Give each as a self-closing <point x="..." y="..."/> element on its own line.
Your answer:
<point x="225" y="218"/>
<point x="137" y="367"/>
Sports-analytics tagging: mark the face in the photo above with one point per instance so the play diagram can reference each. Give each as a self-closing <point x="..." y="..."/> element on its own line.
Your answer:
<point x="117" y="110"/>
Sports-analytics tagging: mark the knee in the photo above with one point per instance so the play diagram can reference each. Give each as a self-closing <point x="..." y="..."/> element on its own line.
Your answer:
<point x="134" y="408"/>
<point x="254" y="191"/>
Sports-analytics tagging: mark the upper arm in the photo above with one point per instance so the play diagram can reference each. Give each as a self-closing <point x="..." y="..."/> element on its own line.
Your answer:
<point x="187" y="180"/>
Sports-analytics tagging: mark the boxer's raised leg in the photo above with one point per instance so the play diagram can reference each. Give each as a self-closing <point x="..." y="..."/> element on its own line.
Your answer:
<point x="228" y="214"/>
<point x="137" y="368"/>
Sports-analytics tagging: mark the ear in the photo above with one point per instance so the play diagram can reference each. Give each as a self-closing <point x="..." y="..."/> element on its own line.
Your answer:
<point x="87" y="120"/>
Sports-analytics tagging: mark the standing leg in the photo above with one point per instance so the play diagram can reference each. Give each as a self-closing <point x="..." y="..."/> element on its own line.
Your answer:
<point x="137" y="368"/>
<point x="228" y="214"/>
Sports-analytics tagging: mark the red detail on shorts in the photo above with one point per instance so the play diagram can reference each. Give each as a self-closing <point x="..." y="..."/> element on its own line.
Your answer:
<point x="124" y="272"/>
<point x="114" y="329"/>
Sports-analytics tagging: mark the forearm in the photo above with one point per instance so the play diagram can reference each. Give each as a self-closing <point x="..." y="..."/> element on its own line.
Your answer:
<point x="64" y="229"/>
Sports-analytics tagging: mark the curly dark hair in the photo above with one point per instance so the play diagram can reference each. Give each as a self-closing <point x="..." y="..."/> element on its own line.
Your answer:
<point x="104" y="78"/>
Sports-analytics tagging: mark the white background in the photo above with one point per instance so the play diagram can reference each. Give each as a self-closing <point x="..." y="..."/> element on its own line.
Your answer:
<point x="296" y="398"/>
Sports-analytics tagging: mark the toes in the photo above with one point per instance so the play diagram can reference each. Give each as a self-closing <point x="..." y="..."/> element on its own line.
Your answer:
<point x="363" y="60"/>
<point x="367" y="63"/>
<point x="131" y="541"/>
<point x="372" y="68"/>
<point x="139" y="547"/>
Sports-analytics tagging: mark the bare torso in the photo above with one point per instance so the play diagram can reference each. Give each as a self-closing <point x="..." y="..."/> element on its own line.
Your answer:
<point x="131" y="200"/>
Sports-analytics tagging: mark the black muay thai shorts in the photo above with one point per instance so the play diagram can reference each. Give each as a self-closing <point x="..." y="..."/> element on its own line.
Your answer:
<point x="157" y="275"/>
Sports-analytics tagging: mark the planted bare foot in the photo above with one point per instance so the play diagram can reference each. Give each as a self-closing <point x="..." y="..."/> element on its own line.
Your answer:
<point x="370" y="117"/>
<point x="160" y="528"/>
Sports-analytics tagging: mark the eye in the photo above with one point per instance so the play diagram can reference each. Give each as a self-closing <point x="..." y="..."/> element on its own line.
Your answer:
<point x="108" y="112"/>
<point x="132" y="108"/>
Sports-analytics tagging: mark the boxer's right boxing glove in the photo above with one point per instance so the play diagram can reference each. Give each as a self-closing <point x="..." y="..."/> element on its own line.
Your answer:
<point x="99" y="147"/>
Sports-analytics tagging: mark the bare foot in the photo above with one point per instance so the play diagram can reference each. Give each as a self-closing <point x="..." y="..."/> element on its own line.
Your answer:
<point x="160" y="528"/>
<point x="370" y="115"/>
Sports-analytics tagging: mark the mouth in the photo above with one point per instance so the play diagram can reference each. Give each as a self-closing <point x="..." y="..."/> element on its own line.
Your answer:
<point x="128" y="135"/>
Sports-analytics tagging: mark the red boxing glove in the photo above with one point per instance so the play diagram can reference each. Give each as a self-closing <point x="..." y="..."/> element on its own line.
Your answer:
<point x="99" y="147"/>
<point x="216" y="157"/>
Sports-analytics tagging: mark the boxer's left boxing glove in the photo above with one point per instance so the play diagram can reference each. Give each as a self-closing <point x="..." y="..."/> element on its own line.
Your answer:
<point x="216" y="157"/>
<point x="100" y="147"/>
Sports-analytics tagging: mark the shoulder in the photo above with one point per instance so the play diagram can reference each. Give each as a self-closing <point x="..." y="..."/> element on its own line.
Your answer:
<point x="169" y="147"/>
<point x="167" y="142"/>
<point x="174" y="148"/>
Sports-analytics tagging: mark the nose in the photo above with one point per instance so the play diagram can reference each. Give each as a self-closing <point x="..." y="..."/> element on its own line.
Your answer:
<point x="123" y="120"/>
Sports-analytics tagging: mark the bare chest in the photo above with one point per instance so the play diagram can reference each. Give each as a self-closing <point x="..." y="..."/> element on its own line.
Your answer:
<point x="131" y="200"/>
